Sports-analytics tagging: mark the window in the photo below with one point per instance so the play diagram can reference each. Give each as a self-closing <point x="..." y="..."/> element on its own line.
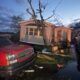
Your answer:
<point x="59" y="35"/>
<point x="31" y="31"/>
<point x="64" y="35"/>
<point x="27" y="31"/>
<point x="5" y="41"/>
<point x="40" y="33"/>
<point x="35" y="32"/>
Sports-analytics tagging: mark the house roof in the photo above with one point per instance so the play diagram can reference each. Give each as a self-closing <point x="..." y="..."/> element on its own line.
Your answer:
<point x="32" y="22"/>
<point x="62" y="27"/>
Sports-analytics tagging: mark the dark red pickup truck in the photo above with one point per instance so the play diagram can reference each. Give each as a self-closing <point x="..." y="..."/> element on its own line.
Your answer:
<point x="14" y="57"/>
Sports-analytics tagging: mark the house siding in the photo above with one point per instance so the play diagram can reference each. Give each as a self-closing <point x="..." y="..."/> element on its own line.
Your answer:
<point x="24" y="37"/>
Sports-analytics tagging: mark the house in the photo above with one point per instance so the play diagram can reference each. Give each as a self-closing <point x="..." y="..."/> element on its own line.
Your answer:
<point x="62" y="33"/>
<point x="61" y="39"/>
<point x="30" y="34"/>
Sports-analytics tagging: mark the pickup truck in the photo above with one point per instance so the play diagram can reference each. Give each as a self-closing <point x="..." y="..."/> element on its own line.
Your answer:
<point x="14" y="57"/>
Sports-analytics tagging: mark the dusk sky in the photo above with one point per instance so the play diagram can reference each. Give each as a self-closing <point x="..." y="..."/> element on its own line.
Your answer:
<point x="67" y="10"/>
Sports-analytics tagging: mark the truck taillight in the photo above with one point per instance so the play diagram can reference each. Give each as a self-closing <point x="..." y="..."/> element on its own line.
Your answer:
<point x="11" y="59"/>
<point x="3" y="60"/>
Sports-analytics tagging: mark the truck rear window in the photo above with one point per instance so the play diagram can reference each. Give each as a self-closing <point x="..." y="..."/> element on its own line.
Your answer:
<point x="4" y="41"/>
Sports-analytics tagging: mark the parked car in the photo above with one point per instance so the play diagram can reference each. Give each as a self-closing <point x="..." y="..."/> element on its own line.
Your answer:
<point x="14" y="57"/>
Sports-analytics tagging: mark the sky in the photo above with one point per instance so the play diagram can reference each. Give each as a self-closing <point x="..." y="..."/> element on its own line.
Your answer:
<point x="66" y="11"/>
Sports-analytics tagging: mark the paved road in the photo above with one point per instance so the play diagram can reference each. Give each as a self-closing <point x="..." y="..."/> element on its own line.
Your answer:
<point x="73" y="52"/>
<point x="70" y="72"/>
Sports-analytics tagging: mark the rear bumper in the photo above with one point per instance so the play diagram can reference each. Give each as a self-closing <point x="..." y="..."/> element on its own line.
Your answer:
<point x="13" y="69"/>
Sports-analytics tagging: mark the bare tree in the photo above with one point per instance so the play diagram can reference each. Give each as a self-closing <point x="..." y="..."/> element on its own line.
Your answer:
<point x="40" y="26"/>
<point x="39" y="12"/>
<point x="15" y="22"/>
<point x="42" y="23"/>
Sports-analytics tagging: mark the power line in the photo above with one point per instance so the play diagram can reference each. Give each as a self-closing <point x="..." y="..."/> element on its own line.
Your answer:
<point x="57" y="17"/>
<point x="57" y="5"/>
<point x="54" y="10"/>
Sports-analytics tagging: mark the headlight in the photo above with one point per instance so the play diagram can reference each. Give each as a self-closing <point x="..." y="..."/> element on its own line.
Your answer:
<point x="11" y="59"/>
